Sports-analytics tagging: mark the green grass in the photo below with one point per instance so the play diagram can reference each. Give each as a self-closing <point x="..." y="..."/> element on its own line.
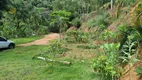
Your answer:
<point x="17" y="64"/>
<point x="26" y="40"/>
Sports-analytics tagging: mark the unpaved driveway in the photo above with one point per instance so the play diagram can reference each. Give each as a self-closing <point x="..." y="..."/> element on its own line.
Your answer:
<point x="43" y="41"/>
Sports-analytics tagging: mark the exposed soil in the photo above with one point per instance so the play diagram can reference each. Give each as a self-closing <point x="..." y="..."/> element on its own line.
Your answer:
<point x="43" y="41"/>
<point x="131" y="75"/>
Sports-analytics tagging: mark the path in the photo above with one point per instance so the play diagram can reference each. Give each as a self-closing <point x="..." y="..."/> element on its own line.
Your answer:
<point x="43" y="41"/>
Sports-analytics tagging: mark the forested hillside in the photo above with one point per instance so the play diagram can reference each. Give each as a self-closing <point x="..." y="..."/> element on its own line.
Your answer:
<point x="23" y="18"/>
<point x="93" y="40"/>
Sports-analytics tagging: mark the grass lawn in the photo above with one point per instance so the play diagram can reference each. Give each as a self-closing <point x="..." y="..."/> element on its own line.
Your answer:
<point x="26" y="40"/>
<point x="17" y="64"/>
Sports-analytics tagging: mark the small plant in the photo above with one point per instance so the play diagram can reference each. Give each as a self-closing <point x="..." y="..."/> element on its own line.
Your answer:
<point x="108" y="36"/>
<point x="139" y="71"/>
<point x="77" y="36"/>
<point x="107" y="62"/>
<point x="57" y="47"/>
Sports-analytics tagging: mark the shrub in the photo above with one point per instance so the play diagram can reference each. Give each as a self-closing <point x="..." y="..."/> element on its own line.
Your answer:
<point x="57" y="47"/>
<point x="106" y="63"/>
<point x="8" y="32"/>
<point x="98" y="20"/>
<point x="77" y="36"/>
<point x="108" y="36"/>
<point x="76" y="22"/>
<point x="132" y="32"/>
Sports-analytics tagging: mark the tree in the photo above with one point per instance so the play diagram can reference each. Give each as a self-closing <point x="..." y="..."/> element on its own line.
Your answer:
<point x="3" y="6"/>
<point x="59" y="20"/>
<point x="111" y="4"/>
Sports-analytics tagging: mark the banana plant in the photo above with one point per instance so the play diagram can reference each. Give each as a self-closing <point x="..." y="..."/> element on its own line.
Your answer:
<point x="128" y="52"/>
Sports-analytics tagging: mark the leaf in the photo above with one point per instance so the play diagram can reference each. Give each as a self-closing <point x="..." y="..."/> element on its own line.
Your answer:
<point x="139" y="70"/>
<point x="131" y="64"/>
<point x="125" y="52"/>
<point x="125" y="59"/>
<point x="135" y="60"/>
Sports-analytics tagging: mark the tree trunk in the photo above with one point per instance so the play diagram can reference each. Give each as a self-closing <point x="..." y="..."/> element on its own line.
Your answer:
<point x="111" y="4"/>
<point x="50" y="60"/>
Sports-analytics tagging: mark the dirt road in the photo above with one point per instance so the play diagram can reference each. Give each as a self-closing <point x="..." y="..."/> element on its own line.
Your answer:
<point x="43" y="41"/>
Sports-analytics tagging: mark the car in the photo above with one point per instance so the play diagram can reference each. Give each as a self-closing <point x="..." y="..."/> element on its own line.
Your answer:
<point x="4" y="43"/>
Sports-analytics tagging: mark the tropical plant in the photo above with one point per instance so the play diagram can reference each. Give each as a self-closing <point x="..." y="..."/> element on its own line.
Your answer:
<point x="27" y="20"/>
<point x="59" y="20"/>
<point x="106" y="63"/>
<point x="133" y="32"/>
<point x="127" y="54"/>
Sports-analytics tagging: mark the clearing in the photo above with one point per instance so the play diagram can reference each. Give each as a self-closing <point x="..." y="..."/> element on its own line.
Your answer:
<point x="43" y="41"/>
<point x="17" y="64"/>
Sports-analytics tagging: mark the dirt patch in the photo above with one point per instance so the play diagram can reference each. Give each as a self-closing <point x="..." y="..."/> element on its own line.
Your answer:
<point x="79" y="53"/>
<point x="43" y="41"/>
<point x="131" y="75"/>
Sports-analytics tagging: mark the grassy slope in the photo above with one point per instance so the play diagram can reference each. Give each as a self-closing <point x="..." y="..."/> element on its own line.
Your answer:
<point x="17" y="64"/>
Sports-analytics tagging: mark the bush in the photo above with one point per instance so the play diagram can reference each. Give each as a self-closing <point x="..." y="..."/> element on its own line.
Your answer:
<point x="57" y="47"/>
<point x="76" y="22"/>
<point x="8" y="32"/>
<point x="42" y="30"/>
<point x="77" y="36"/>
<point x="106" y="63"/>
<point x="99" y="20"/>
<point x="108" y="36"/>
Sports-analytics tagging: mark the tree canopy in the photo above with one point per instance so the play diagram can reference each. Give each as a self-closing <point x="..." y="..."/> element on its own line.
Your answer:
<point x="3" y="6"/>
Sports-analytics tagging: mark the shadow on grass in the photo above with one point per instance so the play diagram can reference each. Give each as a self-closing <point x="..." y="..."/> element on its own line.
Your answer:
<point x="87" y="46"/>
<point x="1" y="50"/>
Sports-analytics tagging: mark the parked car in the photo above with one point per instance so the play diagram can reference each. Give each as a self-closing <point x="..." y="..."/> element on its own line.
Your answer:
<point x="4" y="43"/>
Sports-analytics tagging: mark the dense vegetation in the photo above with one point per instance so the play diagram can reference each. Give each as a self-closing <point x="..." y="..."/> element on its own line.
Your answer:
<point x="36" y="17"/>
<point x="109" y="29"/>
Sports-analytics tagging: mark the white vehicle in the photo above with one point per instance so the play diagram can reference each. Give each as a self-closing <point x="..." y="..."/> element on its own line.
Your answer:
<point x="4" y="43"/>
